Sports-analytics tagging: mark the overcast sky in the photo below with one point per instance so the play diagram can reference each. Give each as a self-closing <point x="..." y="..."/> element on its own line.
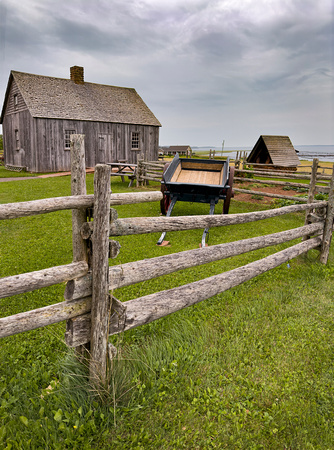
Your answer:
<point x="210" y="70"/>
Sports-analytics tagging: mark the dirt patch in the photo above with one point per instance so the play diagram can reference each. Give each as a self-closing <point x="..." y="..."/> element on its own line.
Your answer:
<point x="259" y="199"/>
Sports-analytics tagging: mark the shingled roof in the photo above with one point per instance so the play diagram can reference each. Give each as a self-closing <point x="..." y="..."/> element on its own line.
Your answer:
<point x="58" y="98"/>
<point x="279" y="148"/>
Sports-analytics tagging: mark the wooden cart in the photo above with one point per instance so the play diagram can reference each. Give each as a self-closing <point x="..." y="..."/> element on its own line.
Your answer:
<point x="196" y="180"/>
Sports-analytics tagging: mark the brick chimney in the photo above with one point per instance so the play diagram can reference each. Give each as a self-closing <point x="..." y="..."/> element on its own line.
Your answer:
<point x="77" y="74"/>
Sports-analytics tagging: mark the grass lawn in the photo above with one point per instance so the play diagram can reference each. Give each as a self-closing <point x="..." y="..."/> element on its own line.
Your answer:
<point x="250" y="368"/>
<point x="5" y="173"/>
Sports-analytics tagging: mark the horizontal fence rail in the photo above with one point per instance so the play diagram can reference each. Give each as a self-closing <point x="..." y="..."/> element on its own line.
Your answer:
<point x="132" y="272"/>
<point x="311" y="186"/>
<point x="274" y="174"/>
<point x="41" y="317"/>
<point x="146" y="309"/>
<point x="142" y="225"/>
<point x="26" y="282"/>
<point x="271" y="195"/>
<point x="324" y="189"/>
<point x="35" y="207"/>
<point x="48" y="315"/>
<point x="249" y="164"/>
<point x="149" y="171"/>
<point x="149" y="308"/>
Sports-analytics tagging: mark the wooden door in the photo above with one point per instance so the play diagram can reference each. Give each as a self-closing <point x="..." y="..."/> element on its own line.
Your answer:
<point x="105" y="146"/>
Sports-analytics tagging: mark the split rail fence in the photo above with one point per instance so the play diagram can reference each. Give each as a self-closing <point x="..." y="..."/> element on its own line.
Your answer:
<point x="92" y="314"/>
<point x="317" y="182"/>
<point x="149" y="171"/>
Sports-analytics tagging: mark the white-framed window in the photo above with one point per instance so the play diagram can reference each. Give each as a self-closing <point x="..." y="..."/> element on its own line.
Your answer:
<point x="17" y="140"/>
<point x="16" y="100"/>
<point x="135" y="140"/>
<point x="67" y="138"/>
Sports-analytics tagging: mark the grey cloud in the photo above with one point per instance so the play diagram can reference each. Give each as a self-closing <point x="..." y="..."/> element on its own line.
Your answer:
<point x="218" y="45"/>
<point x="89" y="38"/>
<point x="19" y="34"/>
<point x="193" y="62"/>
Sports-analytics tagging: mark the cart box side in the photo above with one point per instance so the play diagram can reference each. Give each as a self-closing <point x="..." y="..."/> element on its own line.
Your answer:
<point x="198" y="165"/>
<point x="176" y="173"/>
<point x="198" y="172"/>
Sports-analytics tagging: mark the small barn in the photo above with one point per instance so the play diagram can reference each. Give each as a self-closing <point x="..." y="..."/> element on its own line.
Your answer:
<point x="275" y="152"/>
<point x="180" y="149"/>
<point x="40" y="113"/>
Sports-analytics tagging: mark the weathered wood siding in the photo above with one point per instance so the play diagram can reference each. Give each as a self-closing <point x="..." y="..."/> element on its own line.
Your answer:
<point x="43" y="142"/>
<point x="11" y="108"/>
<point x="17" y="117"/>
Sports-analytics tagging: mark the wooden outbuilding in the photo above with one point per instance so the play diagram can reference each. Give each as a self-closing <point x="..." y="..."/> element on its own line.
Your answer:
<point x="180" y="149"/>
<point x="275" y="152"/>
<point x="40" y="113"/>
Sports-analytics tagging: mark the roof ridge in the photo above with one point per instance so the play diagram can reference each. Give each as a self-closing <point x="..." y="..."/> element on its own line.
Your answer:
<point x="68" y="79"/>
<point x="61" y="98"/>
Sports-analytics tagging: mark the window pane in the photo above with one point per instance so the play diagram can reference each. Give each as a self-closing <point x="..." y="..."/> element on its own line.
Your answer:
<point x="135" y="141"/>
<point x="67" y="138"/>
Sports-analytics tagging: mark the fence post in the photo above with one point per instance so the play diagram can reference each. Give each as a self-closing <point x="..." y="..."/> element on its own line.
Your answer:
<point x="327" y="235"/>
<point x="100" y="276"/>
<point x="236" y="161"/>
<point x="79" y="216"/>
<point x="244" y="160"/>
<point x="311" y="192"/>
<point x="78" y="187"/>
<point x="140" y="160"/>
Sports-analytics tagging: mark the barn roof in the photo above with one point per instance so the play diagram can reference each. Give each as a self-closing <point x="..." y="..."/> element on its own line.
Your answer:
<point x="58" y="98"/>
<point x="280" y="149"/>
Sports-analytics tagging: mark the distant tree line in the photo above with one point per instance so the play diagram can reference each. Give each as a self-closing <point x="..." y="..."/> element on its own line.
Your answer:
<point x="1" y="142"/>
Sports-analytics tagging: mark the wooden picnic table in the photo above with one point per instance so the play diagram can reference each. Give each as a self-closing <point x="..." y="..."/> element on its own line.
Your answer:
<point x="122" y="169"/>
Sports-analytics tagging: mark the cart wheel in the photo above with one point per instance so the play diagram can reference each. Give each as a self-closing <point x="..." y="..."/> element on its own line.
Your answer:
<point x="165" y="201"/>
<point x="230" y="192"/>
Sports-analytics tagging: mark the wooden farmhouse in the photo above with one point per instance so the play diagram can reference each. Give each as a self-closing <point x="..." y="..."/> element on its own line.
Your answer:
<point x="40" y="113"/>
<point x="275" y="152"/>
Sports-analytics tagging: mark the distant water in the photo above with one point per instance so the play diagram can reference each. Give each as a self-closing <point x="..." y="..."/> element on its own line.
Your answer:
<point x="231" y="152"/>
<point x="308" y="152"/>
<point x="323" y="152"/>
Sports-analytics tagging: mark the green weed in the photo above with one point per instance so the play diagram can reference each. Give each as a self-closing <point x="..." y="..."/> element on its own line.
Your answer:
<point x="257" y="197"/>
